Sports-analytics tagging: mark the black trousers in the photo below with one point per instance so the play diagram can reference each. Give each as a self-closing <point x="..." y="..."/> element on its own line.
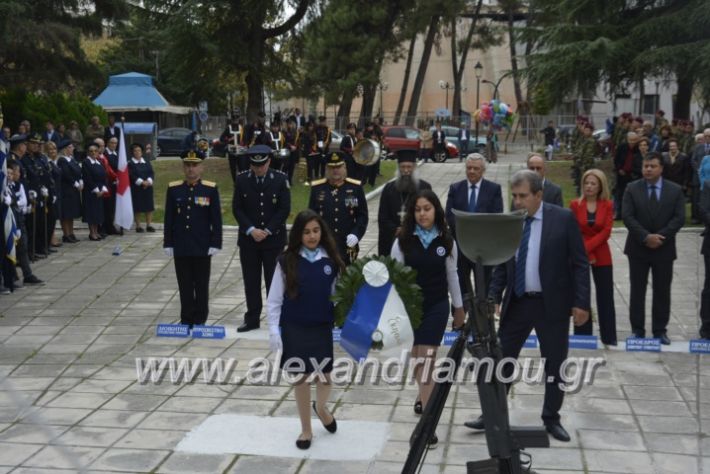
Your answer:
<point x="322" y="160"/>
<point x="619" y="189"/>
<point x="21" y="250"/>
<point x="522" y="316"/>
<point x="604" y="284"/>
<point x="705" y="302"/>
<point x="193" y="276"/>
<point x="661" y="309"/>
<point x="36" y="223"/>
<point x="313" y="166"/>
<point x="291" y="165"/>
<point x="110" y="213"/>
<point x="254" y="260"/>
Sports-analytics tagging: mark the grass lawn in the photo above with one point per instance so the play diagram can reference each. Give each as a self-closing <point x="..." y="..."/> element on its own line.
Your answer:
<point x="559" y="173"/>
<point x="217" y="169"/>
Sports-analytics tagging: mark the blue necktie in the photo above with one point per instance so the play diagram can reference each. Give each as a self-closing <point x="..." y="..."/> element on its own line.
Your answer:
<point x="472" y="199"/>
<point x="522" y="257"/>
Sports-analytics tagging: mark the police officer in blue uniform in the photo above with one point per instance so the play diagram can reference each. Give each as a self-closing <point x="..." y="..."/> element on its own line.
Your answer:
<point x="261" y="204"/>
<point x="38" y="182"/>
<point x="341" y="202"/>
<point x="192" y="235"/>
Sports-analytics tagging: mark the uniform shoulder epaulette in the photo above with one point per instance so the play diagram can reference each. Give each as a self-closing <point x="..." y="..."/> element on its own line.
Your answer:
<point x="353" y="181"/>
<point x="175" y="183"/>
<point x="318" y="182"/>
<point x="211" y="184"/>
<point x="242" y="172"/>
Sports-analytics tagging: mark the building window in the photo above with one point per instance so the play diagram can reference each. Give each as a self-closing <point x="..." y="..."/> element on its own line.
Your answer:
<point x="650" y="104"/>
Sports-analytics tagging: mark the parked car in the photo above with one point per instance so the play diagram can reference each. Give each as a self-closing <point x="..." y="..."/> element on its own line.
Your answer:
<point x="402" y="137"/>
<point x="453" y="136"/>
<point x="170" y="141"/>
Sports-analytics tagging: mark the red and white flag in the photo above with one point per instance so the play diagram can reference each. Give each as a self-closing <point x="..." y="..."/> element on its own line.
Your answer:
<point x="124" y="204"/>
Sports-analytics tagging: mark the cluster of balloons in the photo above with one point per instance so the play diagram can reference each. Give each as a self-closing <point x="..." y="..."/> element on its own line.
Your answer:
<point x="495" y="113"/>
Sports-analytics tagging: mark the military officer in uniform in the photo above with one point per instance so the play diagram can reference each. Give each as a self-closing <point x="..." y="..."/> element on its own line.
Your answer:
<point x="192" y="235"/>
<point x="341" y="202"/>
<point x="323" y="139"/>
<point x="261" y="204"/>
<point x="39" y="181"/>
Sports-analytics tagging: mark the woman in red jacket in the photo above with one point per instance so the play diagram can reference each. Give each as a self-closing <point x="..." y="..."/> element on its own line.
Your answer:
<point x="595" y="215"/>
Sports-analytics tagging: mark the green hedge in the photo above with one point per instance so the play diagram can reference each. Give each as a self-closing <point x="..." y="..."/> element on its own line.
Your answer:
<point x="18" y="105"/>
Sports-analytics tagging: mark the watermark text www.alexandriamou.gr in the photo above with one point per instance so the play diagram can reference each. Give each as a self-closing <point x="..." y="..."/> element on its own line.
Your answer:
<point x="575" y="372"/>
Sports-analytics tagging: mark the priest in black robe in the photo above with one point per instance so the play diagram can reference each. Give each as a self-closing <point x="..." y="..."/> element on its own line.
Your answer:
<point x="394" y="198"/>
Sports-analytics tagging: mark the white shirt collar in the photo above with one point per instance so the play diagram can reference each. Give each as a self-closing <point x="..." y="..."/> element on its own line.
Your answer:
<point x="137" y="161"/>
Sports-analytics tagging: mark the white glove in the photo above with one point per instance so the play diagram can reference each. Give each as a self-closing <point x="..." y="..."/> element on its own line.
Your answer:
<point x="212" y="251"/>
<point x="275" y="343"/>
<point x="77" y="184"/>
<point x="351" y="240"/>
<point x="149" y="181"/>
<point x="33" y="195"/>
<point x="18" y="233"/>
<point x="54" y="199"/>
<point x="139" y="181"/>
<point x="168" y="251"/>
<point x="104" y="189"/>
<point x="7" y="200"/>
<point x="44" y="191"/>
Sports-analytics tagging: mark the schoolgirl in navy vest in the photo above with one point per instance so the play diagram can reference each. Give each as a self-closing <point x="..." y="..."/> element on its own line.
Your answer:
<point x="426" y="244"/>
<point x="300" y="315"/>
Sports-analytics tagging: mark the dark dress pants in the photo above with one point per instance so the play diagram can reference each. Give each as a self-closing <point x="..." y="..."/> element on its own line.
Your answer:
<point x="619" y="189"/>
<point x="661" y="309"/>
<point x="522" y="316"/>
<point x="193" y="276"/>
<point x="606" y="312"/>
<point x="705" y="302"/>
<point x="233" y="169"/>
<point x="254" y="260"/>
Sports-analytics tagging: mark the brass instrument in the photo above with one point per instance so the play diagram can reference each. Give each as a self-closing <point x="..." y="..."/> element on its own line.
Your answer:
<point x="367" y="152"/>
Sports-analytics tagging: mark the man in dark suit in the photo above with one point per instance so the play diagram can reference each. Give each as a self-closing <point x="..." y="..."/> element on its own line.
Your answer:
<point x="653" y="211"/>
<point x="111" y="130"/>
<point x="545" y="282"/>
<point x="704" y="210"/>
<point x="50" y="135"/>
<point x="551" y="193"/>
<point x="261" y="204"/>
<point x="395" y="197"/>
<point x="473" y="194"/>
<point x="438" y="137"/>
<point x="192" y="235"/>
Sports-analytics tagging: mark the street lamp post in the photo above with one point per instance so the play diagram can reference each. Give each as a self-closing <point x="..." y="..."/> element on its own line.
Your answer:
<point x="382" y="86"/>
<point x="478" y="71"/>
<point x="497" y="83"/>
<point x="446" y="86"/>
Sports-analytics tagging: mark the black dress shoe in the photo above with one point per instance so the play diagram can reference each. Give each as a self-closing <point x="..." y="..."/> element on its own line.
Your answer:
<point x="664" y="339"/>
<point x="639" y="334"/>
<point x="331" y="427"/>
<point x="32" y="280"/>
<point x="418" y="407"/>
<point x="94" y="238"/>
<point x="704" y="335"/>
<point x="73" y="239"/>
<point x="303" y="443"/>
<point x="247" y="327"/>
<point x="51" y="250"/>
<point x="476" y="424"/>
<point x="150" y="228"/>
<point x="433" y="442"/>
<point x="557" y="431"/>
<point x="139" y="229"/>
<point x="66" y="239"/>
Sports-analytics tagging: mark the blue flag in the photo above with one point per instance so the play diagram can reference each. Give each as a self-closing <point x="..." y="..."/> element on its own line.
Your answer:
<point x="362" y="320"/>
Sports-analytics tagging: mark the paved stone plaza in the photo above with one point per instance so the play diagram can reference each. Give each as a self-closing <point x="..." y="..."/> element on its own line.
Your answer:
<point x="70" y="398"/>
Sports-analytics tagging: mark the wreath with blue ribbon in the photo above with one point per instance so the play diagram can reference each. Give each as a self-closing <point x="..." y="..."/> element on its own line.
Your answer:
<point x="403" y="278"/>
